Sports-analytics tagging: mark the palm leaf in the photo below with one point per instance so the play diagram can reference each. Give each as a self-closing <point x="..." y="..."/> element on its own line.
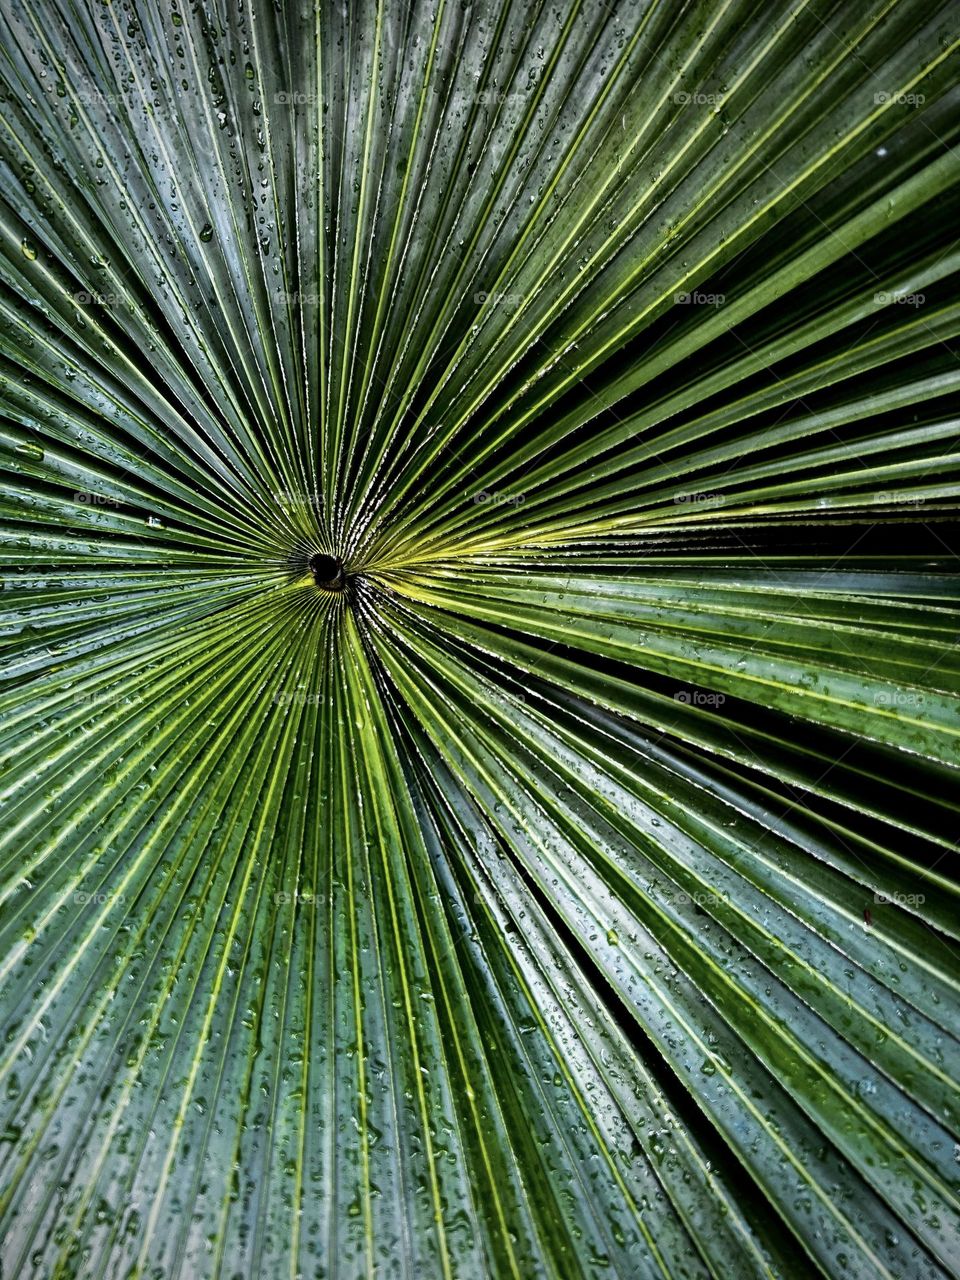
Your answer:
<point x="481" y="683"/>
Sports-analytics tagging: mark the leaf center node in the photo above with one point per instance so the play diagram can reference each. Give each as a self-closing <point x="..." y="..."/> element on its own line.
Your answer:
<point x="327" y="572"/>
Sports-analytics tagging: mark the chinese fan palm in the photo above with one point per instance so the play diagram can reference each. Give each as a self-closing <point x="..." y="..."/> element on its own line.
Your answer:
<point x="481" y="644"/>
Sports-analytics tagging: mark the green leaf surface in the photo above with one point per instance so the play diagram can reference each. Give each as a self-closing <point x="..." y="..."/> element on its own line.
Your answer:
<point x="480" y="690"/>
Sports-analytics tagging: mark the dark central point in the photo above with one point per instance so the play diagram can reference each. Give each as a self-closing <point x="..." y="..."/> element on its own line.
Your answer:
<point x="327" y="572"/>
